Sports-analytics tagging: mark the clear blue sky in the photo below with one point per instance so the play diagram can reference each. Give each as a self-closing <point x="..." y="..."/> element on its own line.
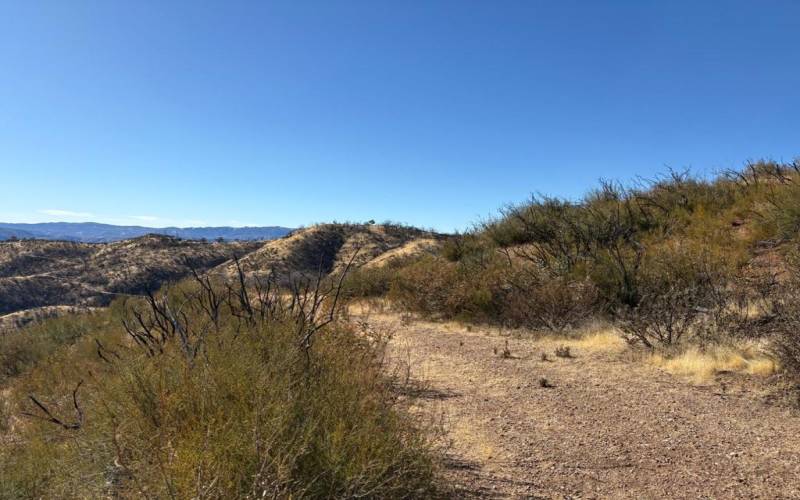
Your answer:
<point x="431" y="113"/>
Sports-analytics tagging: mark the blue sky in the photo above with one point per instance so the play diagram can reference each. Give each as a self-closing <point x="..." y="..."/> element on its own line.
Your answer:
<point x="432" y="113"/>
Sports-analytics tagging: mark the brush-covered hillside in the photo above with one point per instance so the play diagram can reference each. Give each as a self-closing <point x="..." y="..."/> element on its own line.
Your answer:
<point x="156" y="381"/>
<point x="674" y="261"/>
<point x="325" y="249"/>
<point x="38" y="273"/>
<point x="40" y="278"/>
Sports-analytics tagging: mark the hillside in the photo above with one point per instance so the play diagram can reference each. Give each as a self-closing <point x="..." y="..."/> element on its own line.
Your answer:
<point x="39" y="274"/>
<point x="328" y="248"/>
<point x="202" y="397"/>
<point x="641" y="340"/>
<point x="35" y="273"/>
<point x="628" y="253"/>
<point x="703" y="273"/>
<point x="92" y="232"/>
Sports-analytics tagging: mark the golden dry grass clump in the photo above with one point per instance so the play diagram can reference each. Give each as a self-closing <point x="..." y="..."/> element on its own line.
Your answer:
<point x="701" y="365"/>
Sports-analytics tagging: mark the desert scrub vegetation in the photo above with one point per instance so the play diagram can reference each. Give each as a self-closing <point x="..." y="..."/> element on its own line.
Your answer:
<point x="674" y="261"/>
<point x="209" y="390"/>
<point x="23" y="349"/>
<point x="373" y="281"/>
<point x="780" y="315"/>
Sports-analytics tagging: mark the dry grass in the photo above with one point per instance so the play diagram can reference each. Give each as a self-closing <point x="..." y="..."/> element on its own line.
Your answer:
<point x="702" y="365"/>
<point x="698" y="365"/>
<point x="605" y="340"/>
<point x="369" y="307"/>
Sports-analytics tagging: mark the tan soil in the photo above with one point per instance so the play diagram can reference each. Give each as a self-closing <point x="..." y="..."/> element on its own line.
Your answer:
<point x="610" y="427"/>
<point x="412" y="248"/>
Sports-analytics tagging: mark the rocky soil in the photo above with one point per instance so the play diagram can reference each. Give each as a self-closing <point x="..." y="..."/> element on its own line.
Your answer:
<point x="604" y="426"/>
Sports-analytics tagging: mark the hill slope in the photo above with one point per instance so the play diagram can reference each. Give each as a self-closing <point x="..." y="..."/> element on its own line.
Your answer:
<point x="50" y="273"/>
<point x="327" y="248"/>
<point x="41" y="274"/>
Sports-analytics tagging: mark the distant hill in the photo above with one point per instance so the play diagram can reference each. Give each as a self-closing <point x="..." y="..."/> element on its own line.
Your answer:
<point x="7" y="234"/>
<point x="93" y="232"/>
<point x="327" y="248"/>
<point x="45" y="277"/>
<point x="36" y="273"/>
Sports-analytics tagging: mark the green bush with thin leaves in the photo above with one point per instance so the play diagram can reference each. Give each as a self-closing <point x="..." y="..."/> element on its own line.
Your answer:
<point x="210" y="392"/>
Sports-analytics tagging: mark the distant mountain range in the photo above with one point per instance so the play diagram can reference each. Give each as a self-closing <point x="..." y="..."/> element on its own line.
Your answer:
<point x="93" y="232"/>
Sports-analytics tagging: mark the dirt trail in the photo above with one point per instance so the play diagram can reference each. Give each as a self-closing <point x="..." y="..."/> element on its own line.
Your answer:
<point x="610" y="427"/>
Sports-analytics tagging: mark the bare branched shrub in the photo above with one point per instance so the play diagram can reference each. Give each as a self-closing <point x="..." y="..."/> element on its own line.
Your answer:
<point x="543" y="231"/>
<point x="554" y="304"/>
<point x="783" y="319"/>
<point x="681" y="294"/>
<point x="567" y="240"/>
<point x="786" y="346"/>
<point x="662" y="317"/>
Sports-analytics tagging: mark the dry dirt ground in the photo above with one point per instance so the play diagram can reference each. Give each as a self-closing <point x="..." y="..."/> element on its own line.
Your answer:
<point x="609" y="427"/>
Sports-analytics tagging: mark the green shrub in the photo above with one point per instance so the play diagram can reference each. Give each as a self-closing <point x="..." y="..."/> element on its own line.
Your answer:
<point x="782" y="316"/>
<point x="785" y="346"/>
<point x="427" y="286"/>
<point x="374" y="281"/>
<point x="22" y="349"/>
<point x="666" y="257"/>
<point x="224" y="402"/>
<point x="437" y="288"/>
<point x="784" y="210"/>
